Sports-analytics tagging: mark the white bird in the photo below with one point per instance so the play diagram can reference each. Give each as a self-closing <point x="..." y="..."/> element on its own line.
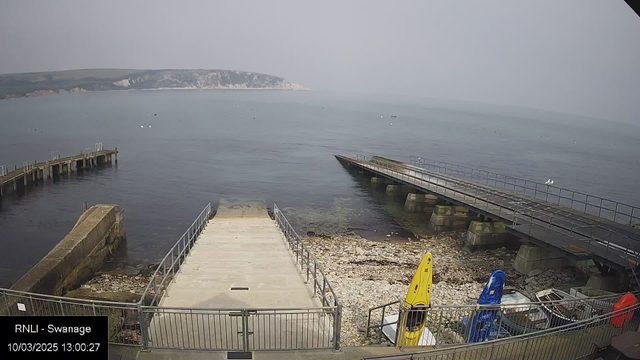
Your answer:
<point x="141" y="126"/>
<point x="548" y="182"/>
<point x="149" y="126"/>
<point x="391" y="124"/>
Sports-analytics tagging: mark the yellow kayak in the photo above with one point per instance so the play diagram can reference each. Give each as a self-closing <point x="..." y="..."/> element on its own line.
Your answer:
<point x="419" y="298"/>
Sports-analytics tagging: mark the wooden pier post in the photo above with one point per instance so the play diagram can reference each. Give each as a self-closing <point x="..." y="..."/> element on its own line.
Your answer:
<point x="116" y="155"/>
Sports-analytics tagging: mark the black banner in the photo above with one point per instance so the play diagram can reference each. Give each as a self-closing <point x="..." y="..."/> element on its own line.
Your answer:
<point x="54" y="337"/>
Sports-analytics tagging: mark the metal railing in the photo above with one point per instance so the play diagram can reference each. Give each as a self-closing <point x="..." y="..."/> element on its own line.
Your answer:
<point x="452" y="324"/>
<point x="379" y="320"/>
<point x="239" y="329"/>
<point x="589" y="204"/>
<point x="593" y="238"/>
<point x="124" y="318"/>
<point x="309" y="266"/>
<point x="170" y="264"/>
<point x="570" y="341"/>
<point x="486" y="199"/>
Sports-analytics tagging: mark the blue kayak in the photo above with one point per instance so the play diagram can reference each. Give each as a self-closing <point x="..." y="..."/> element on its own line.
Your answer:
<point x="484" y="320"/>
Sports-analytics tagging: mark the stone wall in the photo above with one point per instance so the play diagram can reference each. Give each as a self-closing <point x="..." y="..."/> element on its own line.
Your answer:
<point x="82" y="252"/>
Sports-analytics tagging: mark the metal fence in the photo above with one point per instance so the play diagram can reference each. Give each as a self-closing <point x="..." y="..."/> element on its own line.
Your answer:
<point x="570" y="341"/>
<point x="124" y="318"/>
<point x="449" y="325"/>
<point x="309" y="266"/>
<point x="170" y="264"/>
<point x="239" y="329"/>
<point x="589" y="204"/>
<point x="509" y="206"/>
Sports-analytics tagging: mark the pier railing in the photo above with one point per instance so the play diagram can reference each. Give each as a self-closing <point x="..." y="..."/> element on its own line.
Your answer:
<point x="571" y="341"/>
<point x="124" y="318"/>
<point x="450" y="325"/>
<point x="170" y="264"/>
<point x="314" y="272"/>
<point x="589" y="204"/>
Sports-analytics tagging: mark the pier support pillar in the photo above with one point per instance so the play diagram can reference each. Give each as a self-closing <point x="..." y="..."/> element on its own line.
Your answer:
<point x="60" y="169"/>
<point x="15" y="185"/>
<point x="449" y="217"/>
<point x="531" y="257"/>
<point x="376" y="181"/>
<point x="485" y="234"/>
<point x="414" y="203"/>
<point x="116" y="154"/>
<point x="393" y="190"/>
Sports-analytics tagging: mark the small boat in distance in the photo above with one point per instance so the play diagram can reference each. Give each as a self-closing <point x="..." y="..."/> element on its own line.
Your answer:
<point x="393" y="116"/>
<point x="521" y="319"/>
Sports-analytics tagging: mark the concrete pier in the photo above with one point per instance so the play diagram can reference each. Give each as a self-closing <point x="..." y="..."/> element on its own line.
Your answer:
<point x="32" y="173"/>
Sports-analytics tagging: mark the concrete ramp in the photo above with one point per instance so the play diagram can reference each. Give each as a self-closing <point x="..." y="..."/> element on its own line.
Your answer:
<point x="244" y="290"/>
<point x="240" y="261"/>
<point x="242" y="208"/>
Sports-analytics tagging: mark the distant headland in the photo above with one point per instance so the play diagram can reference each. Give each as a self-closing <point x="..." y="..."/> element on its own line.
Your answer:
<point x="70" y="81"/>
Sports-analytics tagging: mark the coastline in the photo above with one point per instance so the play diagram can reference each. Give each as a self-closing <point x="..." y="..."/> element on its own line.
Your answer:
<point x="40" y="93"/>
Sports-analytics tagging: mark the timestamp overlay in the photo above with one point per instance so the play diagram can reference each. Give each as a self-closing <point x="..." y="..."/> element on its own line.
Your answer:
<point x="40" y="337"/>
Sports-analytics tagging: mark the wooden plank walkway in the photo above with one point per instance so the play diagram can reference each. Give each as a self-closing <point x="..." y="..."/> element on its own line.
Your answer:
<point x="575" y="233"/>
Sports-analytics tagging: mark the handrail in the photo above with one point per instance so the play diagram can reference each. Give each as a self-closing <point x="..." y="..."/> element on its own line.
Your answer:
<point x="537" y="188"/>
<point x="297" y="245"/>
<point x="64" y="298"/>
<point x="176" y="255"/>
<point x="305" y="257"/>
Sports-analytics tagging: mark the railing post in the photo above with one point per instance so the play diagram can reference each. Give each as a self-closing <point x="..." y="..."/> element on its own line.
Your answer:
<point x="315" y="277"/>
<point x="245" y="331"/>
<point x="143" y="328"/>
<point x="336" y="328"/>
<point x="398" y="325"/>
<point x="308" y="266"/>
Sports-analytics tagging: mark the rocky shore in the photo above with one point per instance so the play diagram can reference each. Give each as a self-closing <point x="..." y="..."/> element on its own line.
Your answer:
<point x="121" y="284"/>
<point x="368" y="273"/>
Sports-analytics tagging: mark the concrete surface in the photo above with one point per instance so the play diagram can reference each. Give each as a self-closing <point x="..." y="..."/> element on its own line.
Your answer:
<point x="241" y="247"/>
<point x="240" y="261"/>
<point x="82" y="252"/>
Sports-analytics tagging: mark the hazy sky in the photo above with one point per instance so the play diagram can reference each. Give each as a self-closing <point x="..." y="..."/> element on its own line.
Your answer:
<point x="576" y="56"/>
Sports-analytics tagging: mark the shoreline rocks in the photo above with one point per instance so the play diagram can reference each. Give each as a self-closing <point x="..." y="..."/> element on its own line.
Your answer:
<point x="368" y="273"/>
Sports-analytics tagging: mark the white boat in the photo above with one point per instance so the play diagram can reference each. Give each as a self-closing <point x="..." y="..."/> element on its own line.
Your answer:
<point x="521" y="319"/>
<point x="389" y="330"/>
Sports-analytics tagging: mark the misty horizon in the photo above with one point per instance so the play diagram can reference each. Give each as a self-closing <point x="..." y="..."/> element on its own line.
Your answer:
<point x="572" y="57"/>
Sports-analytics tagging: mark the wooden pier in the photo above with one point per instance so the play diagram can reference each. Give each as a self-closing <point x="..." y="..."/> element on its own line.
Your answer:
<point x="31" y="174"/>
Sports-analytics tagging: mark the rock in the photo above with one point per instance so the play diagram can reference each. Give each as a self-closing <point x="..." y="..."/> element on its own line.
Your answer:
<point x="534" y="272"/>
<point x="131" y="271"/>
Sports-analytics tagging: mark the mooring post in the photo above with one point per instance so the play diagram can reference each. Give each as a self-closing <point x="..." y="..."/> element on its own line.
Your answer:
<point x="116" y="155"/>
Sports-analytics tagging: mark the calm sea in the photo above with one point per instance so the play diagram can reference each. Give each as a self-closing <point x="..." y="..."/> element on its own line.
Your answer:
<point x="201" y="146"/>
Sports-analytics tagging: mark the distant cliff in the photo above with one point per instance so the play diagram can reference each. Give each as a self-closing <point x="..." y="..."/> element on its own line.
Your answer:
<point x="59" y="82"/>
